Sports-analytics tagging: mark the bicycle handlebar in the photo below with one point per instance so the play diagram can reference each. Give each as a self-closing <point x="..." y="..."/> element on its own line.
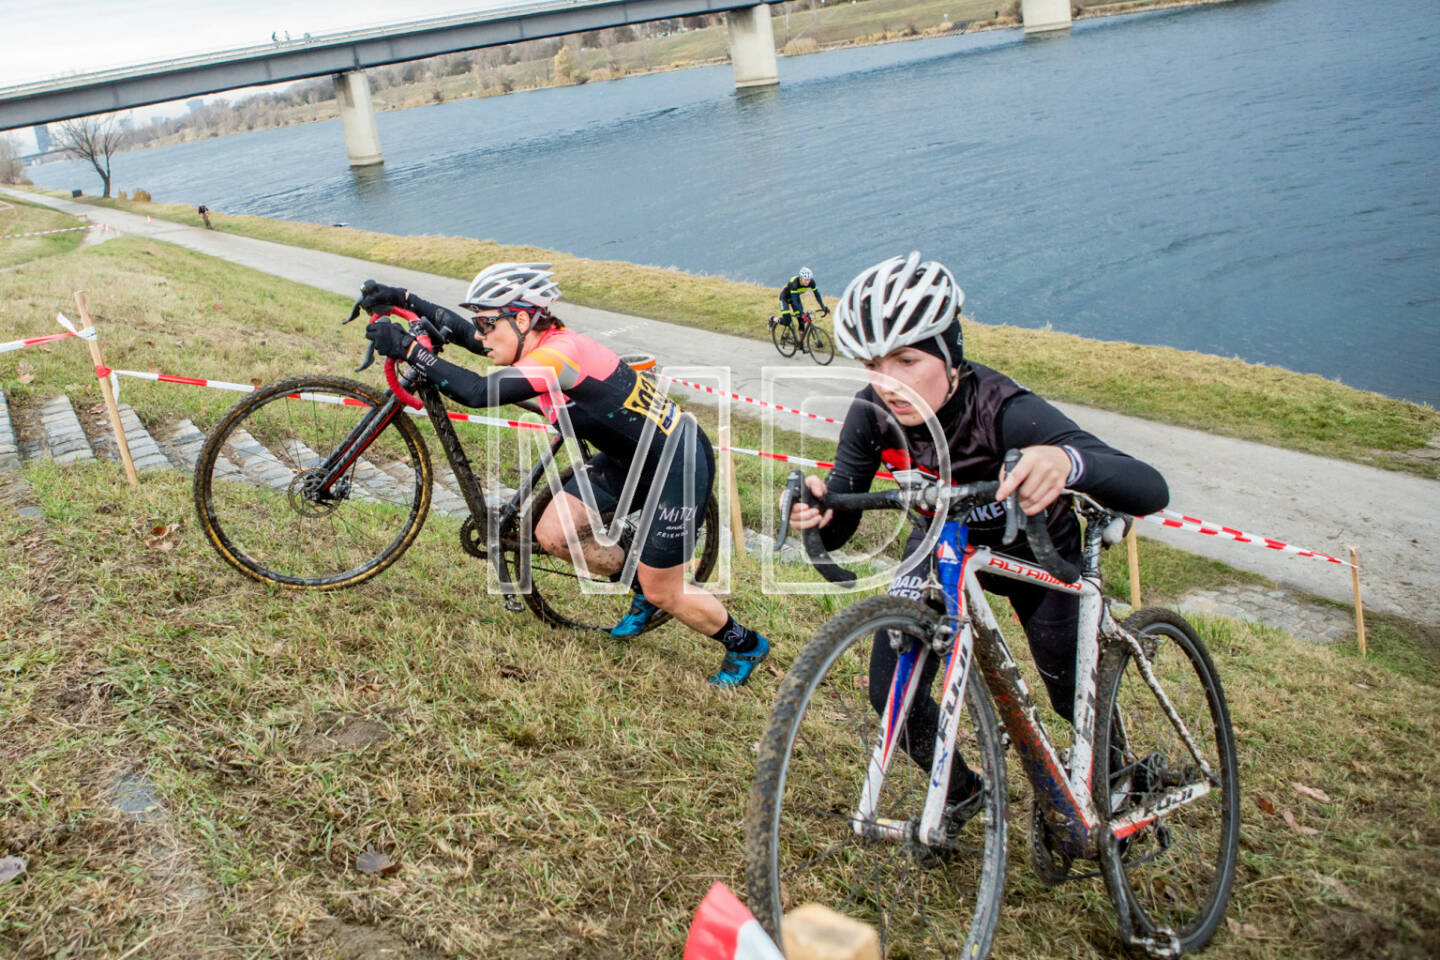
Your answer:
<point x="423" y="331"/>
<point x="955" y="500"/>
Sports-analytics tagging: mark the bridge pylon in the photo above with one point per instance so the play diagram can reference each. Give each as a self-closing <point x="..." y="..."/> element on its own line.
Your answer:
<point x="752" y="47"/>
<point x="357" y="119"/>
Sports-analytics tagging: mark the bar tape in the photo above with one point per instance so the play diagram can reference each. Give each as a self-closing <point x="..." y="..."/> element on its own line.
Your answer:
<point x="42" y="233"/>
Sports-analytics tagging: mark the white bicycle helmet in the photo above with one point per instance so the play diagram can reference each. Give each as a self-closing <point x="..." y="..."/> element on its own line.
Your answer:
<point x="512" y="284"/>
<point x="807" y="274"/>
<point x="897" y="303"/>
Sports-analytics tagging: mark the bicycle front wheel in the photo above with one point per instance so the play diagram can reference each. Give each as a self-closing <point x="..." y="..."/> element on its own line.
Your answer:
<point x="557" y="595"/>
<point x="1178" y="868"/>
<point x="821" y="347"/>
<point x="256" y="485"/>
<point x="784" y="336"/>
<point x="803" y="837"/>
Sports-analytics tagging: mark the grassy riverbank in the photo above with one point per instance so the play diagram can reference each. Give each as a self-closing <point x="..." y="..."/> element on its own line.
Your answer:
<point x="17" y="216"/>
<point x="544" y="795"/>
<point x="1219" y="395"/>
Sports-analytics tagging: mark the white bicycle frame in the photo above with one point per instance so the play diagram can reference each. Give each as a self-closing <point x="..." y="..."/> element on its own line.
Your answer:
<point x="1066" y="786"/>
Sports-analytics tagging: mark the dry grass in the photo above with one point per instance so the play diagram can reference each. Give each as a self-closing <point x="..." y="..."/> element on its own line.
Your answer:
<point x="545" y="795"/>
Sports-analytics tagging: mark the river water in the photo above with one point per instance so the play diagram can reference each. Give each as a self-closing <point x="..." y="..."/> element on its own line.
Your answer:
<point x="1258" y="179"/>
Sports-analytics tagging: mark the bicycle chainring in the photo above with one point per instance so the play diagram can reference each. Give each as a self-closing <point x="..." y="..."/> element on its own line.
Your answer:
<point x="472" y="539"/>
<point x="1051" y="867"/>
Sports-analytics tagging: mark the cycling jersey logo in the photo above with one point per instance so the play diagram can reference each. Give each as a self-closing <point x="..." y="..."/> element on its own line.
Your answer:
<point x="646" y="400"/>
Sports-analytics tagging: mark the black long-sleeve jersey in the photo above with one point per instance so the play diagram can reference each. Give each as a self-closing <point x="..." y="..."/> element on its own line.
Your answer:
<point x="989" y="414"/>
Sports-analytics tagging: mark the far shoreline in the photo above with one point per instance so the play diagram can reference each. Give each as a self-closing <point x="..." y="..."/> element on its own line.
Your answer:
<point x="325" y="110"/>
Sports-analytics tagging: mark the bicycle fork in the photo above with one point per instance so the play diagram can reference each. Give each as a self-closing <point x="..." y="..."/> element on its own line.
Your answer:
<point x="904" y="685"/>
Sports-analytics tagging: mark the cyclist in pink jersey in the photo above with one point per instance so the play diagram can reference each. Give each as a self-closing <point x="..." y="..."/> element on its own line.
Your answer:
<point x="619" y="411"/>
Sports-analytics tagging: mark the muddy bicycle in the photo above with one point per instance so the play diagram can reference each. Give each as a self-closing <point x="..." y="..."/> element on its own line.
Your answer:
<point x="1149" y="787"/>
<point x="321" y="482"/>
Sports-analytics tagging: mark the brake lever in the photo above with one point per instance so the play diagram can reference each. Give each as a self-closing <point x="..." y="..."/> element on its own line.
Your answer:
<point x="369" y="357"/>
<point x="791" y="494"/>
<point x="1012" y="502"/>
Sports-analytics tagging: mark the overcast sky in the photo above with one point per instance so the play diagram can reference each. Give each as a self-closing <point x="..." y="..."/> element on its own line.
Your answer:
<point x="49" y="38"/>
<point x="41" y="39"/>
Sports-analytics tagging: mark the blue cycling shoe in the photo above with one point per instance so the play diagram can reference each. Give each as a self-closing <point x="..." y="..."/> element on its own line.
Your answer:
<point x="635" y="621"/>
<point x="736" y="668"/>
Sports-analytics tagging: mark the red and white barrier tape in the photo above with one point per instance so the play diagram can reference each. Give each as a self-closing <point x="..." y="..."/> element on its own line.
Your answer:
<point x="751" y="400"/>
<point x="43" y="233"/>
<point x="1164" y="518"/>
<point x="87" y="334"/>
<point x="1178" y="521"/>
<point x="318" y="398"/>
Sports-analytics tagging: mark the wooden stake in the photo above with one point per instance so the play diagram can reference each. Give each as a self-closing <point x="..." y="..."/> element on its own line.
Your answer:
<point x="732" y="490"/>
<point x="103" y="373"/>
<point x="1132" y="552"/>
<point x="1359" y="606"/>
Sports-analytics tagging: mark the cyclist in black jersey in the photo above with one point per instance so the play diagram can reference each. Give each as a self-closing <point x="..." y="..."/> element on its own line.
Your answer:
<point x="620" y="411"/>
<point x="900" y="318"/>
<point x="792" y="306"/>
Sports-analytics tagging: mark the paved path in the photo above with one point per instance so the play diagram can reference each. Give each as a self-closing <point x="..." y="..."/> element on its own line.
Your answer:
<point x="1306" y="500"/>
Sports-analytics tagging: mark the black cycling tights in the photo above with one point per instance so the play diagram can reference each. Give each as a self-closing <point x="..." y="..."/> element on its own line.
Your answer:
<point x="1049" y="618"/>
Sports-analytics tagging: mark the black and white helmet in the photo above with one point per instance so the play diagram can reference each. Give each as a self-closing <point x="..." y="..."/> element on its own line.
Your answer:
<point x="896" y="303"/>
<point x="527" y="285"/>
<point x="807" y="274"/>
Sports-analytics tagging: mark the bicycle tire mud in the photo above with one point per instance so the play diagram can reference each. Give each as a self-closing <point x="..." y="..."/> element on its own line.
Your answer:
<point x="1194" y="935"/>
<point x="203" y="486"/>
<point x="762" y="819"/>
<point x="549" y="612"/>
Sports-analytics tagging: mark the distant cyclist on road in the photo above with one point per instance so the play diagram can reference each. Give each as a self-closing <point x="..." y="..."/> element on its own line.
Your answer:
<point x="791" y="295"/>
<point x="609" y="406"/>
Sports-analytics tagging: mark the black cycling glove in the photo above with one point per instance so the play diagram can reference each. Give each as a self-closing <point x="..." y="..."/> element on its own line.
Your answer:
<point x="377" y="296"/>
<point x="390" y="339"/>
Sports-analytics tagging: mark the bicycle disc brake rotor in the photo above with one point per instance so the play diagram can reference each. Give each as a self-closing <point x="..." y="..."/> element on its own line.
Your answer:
<point x="306" y="501"/>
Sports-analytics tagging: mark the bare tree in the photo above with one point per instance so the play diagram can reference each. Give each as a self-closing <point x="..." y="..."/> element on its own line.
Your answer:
<point x="93" y="139"/>
<point x="11" y="169"/>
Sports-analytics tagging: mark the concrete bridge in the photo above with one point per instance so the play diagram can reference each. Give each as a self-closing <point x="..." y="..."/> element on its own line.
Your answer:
<point x="345" y="56"/>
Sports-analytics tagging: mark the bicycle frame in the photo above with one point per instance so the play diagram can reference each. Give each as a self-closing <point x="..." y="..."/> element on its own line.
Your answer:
<point x="378" y="418"/>
<point x="1064" y="790"/>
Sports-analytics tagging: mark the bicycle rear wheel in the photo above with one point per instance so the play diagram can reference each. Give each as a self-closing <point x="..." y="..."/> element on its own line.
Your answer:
<point x="820" y="346"/>
<point x="801" y="839"/>
<point x="255" y="479"/>
<point x="1179" y="868"/>
<point x="784" y="336"/>
<point x="556" y="595"/>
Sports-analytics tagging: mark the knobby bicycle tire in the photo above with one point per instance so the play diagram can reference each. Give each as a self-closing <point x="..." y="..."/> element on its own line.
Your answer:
<point x="770" y="847"/>
<point x="259" y="521"/>
<point x="555" y="593"/>
<point x="1154" y="758"/>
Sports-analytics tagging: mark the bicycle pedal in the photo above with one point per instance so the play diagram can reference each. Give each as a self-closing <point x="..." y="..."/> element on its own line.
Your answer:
<point x="513" y="604"/>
